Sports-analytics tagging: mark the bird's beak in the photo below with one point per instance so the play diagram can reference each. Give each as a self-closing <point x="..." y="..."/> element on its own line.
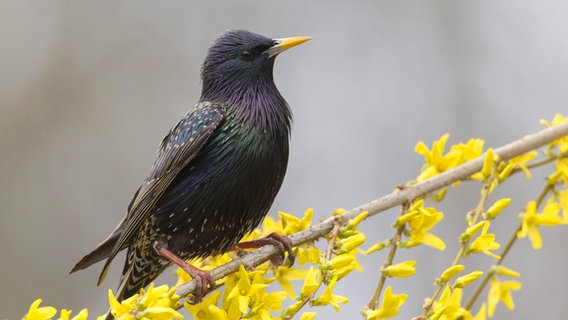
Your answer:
<point x="285" y="44"/>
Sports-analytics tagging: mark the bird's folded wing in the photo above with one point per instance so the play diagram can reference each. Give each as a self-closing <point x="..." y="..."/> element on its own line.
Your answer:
<point x="178" y="148"/>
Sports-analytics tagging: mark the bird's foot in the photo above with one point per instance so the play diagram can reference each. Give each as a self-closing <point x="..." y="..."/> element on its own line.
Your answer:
<point x="283" y="243"/>
<point x="203" y="278"/>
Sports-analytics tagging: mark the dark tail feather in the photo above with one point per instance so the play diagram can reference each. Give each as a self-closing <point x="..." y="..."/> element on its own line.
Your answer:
<point x="102" y="251"/>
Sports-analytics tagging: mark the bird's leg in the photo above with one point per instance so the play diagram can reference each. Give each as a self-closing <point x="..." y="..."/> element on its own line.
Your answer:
<point x="281" y="242"/>
<point x="204" y="279"/>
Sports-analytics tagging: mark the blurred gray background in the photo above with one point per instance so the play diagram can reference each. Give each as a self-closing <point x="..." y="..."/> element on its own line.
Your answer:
<point x="88" y="90"/>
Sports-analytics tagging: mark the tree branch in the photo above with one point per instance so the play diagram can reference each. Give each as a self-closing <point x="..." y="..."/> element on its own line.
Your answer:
<point x="391" y="200"/>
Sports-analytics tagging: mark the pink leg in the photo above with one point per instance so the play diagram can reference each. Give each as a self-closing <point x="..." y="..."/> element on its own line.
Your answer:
<point x="281" y="242"/>
<point x="203" y="278"/>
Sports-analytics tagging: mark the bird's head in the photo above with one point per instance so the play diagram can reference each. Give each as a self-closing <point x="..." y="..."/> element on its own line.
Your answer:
<point x="240" y="59"/>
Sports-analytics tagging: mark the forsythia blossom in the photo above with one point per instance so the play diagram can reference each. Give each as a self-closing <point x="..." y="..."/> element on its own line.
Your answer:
<point x="484" y="243"/>
<point x="501" y="291"/>
<point x="401" y="270"/>
<point x="531" y="220"/>
<point x="39" y="313"/>
<point x="467" y="279"/>
<point x="390" y="306"/>
<point x="438" y="162"/>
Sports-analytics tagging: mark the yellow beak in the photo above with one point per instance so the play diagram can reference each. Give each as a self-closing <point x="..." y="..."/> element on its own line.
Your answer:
<point x="285" y="44"/>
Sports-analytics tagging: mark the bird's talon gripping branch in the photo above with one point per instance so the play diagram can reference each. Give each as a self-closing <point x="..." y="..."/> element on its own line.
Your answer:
<point x="283" y="243"/>
<point x="203" y="278"/>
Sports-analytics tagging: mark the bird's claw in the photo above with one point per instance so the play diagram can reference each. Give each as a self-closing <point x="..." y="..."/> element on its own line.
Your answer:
<point x="283" y="243"/>
<point x="204" y="280"/>
<point x="204" y="283"/>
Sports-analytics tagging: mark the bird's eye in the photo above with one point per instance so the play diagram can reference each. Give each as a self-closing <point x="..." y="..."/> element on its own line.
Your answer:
<point x="247" y="55"/>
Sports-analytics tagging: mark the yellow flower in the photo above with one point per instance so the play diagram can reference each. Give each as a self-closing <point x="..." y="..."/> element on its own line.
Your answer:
<point x="401" y="270"/>
<point x="451" y="272"/>
<point x="307" y="252"/>
<point x="561" y="173"/>
<point x="435" y="161"/>
<point x="350" y="228"/>
<point x="504" y="271"/>
<point x="417" y="204"/>
<point x="505" y="169"/>
<point x="531" y="220"/>
<point x="496" y="208"/>
<point x="350" y="243"/>
<point x="293" y="224"/>
<point x="403" y="219"/>
<point x="253" y="235"/>
<point x="377" y="247"/>
<point x="342" y="265"/>
<point x="390" y="306"/>
<point x="471" y="231"/>
<point x="308" y="315"/>
<point x="269" y="226"/>
<point x="440" y="195"/>
<point x="159" y="313"/>
<point x="264" y="302"/>
<point x="217" y="313"/>
<point x="201" y="310"/>
<point x="155" y="303"/>
<point x="488" y="164"/>
<point x="449" y="305"/>
<point x="231" y="306"/>
<point x="420" y="225"/>
<point x="157" y="297"/>
<point x="329" y="298"/>
<point x="82" y="315"/>
<point x="39" y="313"/>
<point x="484" y="243"/>
<point x="501" y="291"/>
<point x="293" y="309"/>
<point x="481" y="314"/>
<point x="339" y="211"/>
<point x="472" y="149"/>
<point x="243" y="290"/>
<point x="467" y="279"/>
<point x="339" y="262"/>
<point x="123" y="308"/>
<point x="311" y="283"/>
<point x="521" y="162"/>
<point x="285" y="274"/>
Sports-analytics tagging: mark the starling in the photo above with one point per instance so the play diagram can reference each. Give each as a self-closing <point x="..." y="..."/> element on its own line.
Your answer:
<point x="217" y="171"/>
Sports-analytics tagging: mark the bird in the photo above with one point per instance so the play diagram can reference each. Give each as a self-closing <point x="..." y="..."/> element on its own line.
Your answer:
<point x="216" y="173"/>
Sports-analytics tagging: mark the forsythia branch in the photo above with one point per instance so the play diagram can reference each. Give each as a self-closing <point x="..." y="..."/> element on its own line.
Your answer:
<point x="398" y="197"/>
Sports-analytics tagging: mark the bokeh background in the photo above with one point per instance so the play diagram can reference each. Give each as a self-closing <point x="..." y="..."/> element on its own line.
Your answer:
<point x="88" y="90"/>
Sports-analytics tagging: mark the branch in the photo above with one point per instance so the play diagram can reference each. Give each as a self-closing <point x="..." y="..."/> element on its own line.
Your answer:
<point x="396" y="198"/>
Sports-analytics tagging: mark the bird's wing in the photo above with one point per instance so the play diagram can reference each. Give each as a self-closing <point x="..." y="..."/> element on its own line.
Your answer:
<point x="178" y="148"/>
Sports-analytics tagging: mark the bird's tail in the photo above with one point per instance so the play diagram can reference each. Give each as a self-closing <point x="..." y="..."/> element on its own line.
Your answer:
<point x="102" y="251"/>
